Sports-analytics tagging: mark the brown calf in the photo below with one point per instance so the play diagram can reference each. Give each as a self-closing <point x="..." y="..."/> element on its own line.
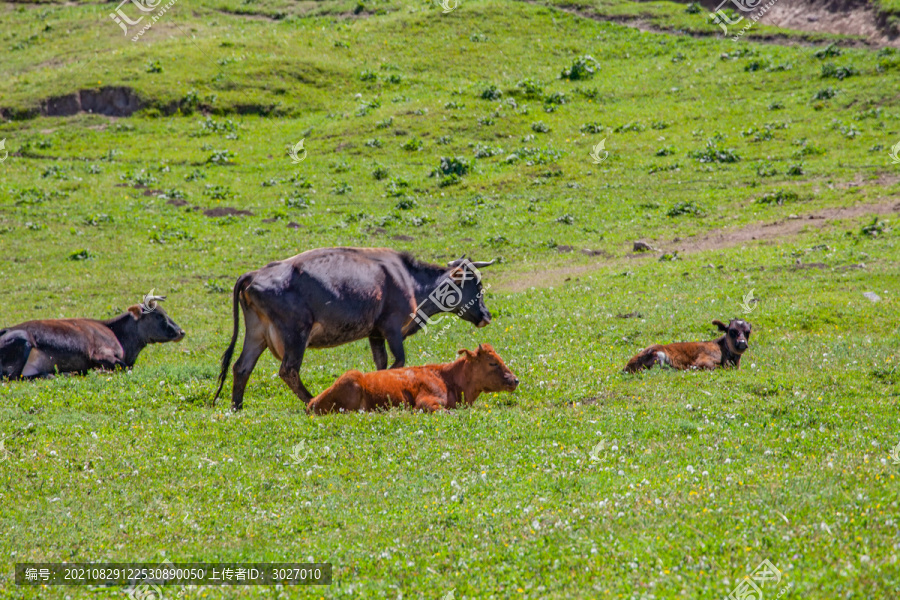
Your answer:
<point x="723" y="352"/>
<point x="430" y="387"/>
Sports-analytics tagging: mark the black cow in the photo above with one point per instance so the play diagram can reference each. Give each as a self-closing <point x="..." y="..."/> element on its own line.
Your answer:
<point x="40" y="348"/>
<point x="331" y="296"/>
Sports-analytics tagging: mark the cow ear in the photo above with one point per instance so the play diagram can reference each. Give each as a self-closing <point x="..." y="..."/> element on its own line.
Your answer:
<point x="466" y="351"/>
<point x="722" y="326"/>
<point x="135" y="311"/>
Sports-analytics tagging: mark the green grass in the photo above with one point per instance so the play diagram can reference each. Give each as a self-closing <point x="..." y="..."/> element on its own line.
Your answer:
<point x="701" y="476"/>
<point x="890" y="8"/>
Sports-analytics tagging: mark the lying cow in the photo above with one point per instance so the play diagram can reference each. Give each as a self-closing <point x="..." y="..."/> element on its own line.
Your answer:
<point x="40" y="348"/>
<point x="332" y="296"/>
<point x="723" y="352"/>
<point x="429" y="388"/>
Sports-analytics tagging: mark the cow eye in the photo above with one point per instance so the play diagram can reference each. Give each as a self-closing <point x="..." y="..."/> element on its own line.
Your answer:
<point x="495" y="364"/>
<point x="733" y="333"/>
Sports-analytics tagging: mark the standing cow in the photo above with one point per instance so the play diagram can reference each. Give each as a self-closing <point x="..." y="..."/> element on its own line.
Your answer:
<point x="40" y="348"/>
<point x="332" y="296"/>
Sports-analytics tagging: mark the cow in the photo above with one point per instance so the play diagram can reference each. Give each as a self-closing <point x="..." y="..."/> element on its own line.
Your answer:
<point x="429" y="388"/>
<point x="42" y="348"/>
<point x="725" y="351"/>
<point x="332" y="296"/>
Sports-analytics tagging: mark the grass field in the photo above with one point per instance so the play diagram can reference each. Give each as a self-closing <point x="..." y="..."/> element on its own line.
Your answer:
<point x="585" y="483"/>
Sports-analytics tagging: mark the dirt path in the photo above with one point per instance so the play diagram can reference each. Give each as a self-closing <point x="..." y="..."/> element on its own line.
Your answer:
<point x="850" y="19"/>
<point x="726" y="238"/>
<point x="716" y="239"/>
<point x="842" y="17"/>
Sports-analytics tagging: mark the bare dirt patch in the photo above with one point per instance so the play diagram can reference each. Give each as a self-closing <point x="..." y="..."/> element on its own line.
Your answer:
<point x="589" y="252"/>
<point x="113" y="101"/>
<point x="884" y="180"/>
<point x="842" y="17"/>
<point x="255" y="16"/>
<point x="226" y="211"/>
<point x="757" y="232"/>
<point x="301" y="9"/>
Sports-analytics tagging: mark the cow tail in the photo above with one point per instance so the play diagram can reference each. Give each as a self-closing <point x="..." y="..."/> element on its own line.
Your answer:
<point x="229" y="352"/>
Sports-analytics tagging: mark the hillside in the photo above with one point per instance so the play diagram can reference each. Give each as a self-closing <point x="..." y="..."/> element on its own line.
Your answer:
<point x="759" y="172"/>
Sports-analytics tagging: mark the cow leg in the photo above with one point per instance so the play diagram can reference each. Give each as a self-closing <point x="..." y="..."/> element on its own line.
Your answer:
<point x="395" y="343"/>
<point x="243" y="367"/>
<point x="255" y="343"/>
<point x="376" y="342"/>
<point x="38" y="365"/>
<point x="294" y="348"/>
<point x="107" y="360"/>
<point x="429" y="403"/>
<point x="345" y="394"/>
<point x="14" y="351"/>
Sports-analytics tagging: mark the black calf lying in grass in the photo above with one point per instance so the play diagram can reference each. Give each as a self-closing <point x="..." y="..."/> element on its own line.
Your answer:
<point x="41" y="348"/>
<point x="723" y="352"/>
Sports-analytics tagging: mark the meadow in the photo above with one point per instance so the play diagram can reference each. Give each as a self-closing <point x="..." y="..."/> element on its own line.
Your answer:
<point x="760" y="173"/>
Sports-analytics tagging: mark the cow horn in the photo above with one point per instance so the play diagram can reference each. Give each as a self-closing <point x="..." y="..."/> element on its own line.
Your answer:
<point x="150" y="301"/>
<point x="481" y="265"/>
<point x="454" y="263"/>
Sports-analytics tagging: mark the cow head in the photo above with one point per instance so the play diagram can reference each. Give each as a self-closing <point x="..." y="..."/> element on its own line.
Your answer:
<point x="465" y="275"/>
<point x="486" y="370"/>
<point x="153" y="324"/>
<point x="737" y="334"/>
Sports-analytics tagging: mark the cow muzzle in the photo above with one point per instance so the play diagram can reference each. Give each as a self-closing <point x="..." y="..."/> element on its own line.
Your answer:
<point x="484" y="322"/>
